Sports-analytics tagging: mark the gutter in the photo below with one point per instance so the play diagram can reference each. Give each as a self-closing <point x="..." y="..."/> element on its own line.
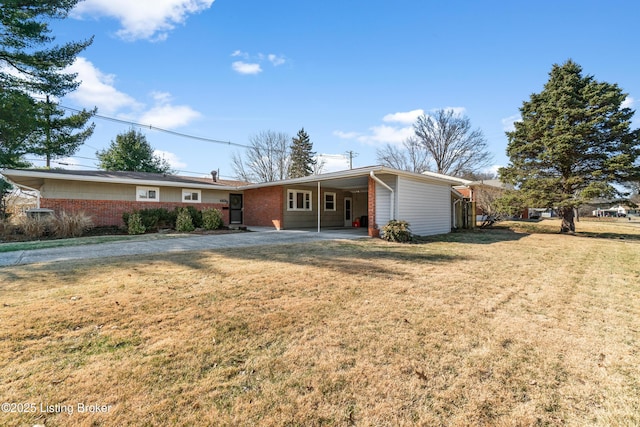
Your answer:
<point x="392" y="215"/>
<point x="28" y="188"/>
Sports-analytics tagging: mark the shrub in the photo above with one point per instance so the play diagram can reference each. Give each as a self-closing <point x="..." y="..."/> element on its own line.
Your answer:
<point x="153" y="218"/>
<point x="184" y="221"/>
<point x="134" y="224"/>
<point x="70" y="225"/>
<point x="211" y="219"/>
<point x="196" y="216"/>
<point x="397" y="231"/>
<point x="34" y="227"/>
<point x="6" y="228"/>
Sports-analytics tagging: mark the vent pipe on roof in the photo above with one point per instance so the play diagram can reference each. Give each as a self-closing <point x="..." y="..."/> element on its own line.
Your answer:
<point x="214" y="176"/>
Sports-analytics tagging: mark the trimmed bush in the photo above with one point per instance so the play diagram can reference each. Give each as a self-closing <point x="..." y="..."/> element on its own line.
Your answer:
<point x="211" y="219"/>
<point x="70" y="225"/>
<point x="184" y="221"/>
<point x="134" y="224"/>
<point x="154" y="218"/>
<point x="196" y="216"/>
<point x="397" y="231"/>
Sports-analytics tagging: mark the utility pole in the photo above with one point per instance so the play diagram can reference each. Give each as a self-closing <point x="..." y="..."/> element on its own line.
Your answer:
<point x="351" y="156"/>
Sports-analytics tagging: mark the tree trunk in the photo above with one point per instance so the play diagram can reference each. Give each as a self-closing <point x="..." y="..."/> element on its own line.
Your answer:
<point x="568" y="224"/>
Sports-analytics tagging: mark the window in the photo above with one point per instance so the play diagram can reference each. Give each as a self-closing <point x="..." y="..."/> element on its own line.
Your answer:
<point x="147" y="194"/>
<point x="329" y="201"/>
<point x="298" y="200"/>
<point x="191" y="196"/>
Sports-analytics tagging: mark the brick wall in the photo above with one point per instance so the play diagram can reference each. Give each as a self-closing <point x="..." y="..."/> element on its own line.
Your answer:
<point x="264" y="206"/>
<point x="372" y="229"/>
<point x="109" y="212"/>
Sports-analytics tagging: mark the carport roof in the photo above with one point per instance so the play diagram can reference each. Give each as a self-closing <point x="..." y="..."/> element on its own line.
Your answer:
<point x="356" y="178"/>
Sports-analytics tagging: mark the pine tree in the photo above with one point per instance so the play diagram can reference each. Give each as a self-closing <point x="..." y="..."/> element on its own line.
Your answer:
<point x="573" y="144"/>
<point x="33" y="67"/>
<point x="302" y="156"/>
<point x="55" y="136"/>
<point x="28" y="61"/>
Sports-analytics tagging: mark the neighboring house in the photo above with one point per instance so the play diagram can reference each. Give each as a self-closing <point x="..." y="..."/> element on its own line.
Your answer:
<point x="482" y="194"/>
<point x="367" y="197"/>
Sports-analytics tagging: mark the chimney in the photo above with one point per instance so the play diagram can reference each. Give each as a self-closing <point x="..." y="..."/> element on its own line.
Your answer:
<point x="214" y="176"/>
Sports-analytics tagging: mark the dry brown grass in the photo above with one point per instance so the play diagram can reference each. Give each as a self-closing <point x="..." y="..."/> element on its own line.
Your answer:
<point x="483" y="328"/>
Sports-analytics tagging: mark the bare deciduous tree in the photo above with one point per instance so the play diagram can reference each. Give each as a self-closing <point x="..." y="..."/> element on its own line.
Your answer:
<point x="449" y="140"/>
<point x="266" y="160"/>
<point x="411" y="156"/>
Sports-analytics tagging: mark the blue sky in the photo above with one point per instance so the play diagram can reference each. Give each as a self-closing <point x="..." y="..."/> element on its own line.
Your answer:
<point x="353" y="73"/>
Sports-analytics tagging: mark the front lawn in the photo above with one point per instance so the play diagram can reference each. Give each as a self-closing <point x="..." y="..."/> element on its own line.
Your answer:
<point x="490" y="327"/>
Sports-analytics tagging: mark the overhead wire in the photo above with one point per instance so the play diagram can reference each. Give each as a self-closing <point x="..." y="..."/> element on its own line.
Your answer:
<point x="151" y="127"/>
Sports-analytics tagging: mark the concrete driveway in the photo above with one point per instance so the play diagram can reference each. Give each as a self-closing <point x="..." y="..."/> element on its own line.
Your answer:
<point x="258" y="236"/>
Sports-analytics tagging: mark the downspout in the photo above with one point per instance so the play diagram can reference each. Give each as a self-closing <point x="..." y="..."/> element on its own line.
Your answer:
<point x="319" y="206"/>
<point x="455" y="223"/>
<point x="379" y="181"/>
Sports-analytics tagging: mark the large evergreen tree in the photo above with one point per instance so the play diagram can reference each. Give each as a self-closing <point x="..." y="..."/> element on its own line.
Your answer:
<point x="59" y="135"/>
<point x="132" y="153"/>
<point x="573" y="144"/>
<point x="17" y="123"/>
<point x="29" y="61"/>
<point x="32" y="66"/>
<point x="302" y="157"/>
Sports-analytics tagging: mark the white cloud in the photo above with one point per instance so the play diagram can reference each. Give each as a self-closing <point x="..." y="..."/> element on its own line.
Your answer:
<point x="628" y="102"/>
<point x="333" y="162"/>
<point x="457" y="111"/>
<point x="167" y="116"/>
<point x="346" y="135"/>
<point x="507" y="122"/>
<point x="385" y="134"/>
<point x="97" y="89"/>
<point x="143" y="19"/>
<point x="276" y="60"/>
<point x="252" y="64"/>
<point x="408" y="117"/>
<point x="242" y="67"/>
<point x="171" y="158"/>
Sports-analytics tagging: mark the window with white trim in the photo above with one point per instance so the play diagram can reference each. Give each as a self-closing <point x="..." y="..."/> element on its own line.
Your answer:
<point x="329" y="201"/>
<point x="147" y="194"/>
<point x="298" y="200"/>
<point x="191" y="196"/>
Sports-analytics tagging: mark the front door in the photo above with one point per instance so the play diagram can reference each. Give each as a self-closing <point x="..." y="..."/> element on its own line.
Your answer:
<point x="348" y="212"/>
<point x="235" y="208"/>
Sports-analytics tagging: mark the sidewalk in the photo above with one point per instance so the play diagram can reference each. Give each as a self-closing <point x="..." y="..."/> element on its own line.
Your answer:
<point x="261" y="236"/>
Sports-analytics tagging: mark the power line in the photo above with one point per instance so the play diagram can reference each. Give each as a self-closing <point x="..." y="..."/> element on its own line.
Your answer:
<point x="170" y="132"/>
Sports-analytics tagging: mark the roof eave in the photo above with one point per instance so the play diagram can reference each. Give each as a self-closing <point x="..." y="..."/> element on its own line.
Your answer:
<point x="86" y="178"/>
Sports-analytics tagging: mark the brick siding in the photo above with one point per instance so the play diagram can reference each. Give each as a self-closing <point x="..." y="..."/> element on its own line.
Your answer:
<point x="109" y="212"/>
<point x="264" y="206"/>
<point x="373" y="230"/>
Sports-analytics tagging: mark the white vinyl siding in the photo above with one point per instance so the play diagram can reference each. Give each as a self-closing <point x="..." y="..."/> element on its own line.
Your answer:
<point x="426" y="206"/>
<point x="383" y="200"/>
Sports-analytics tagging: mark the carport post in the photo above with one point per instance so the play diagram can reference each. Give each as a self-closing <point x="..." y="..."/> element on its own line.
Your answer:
<point x="318" y="206"/>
